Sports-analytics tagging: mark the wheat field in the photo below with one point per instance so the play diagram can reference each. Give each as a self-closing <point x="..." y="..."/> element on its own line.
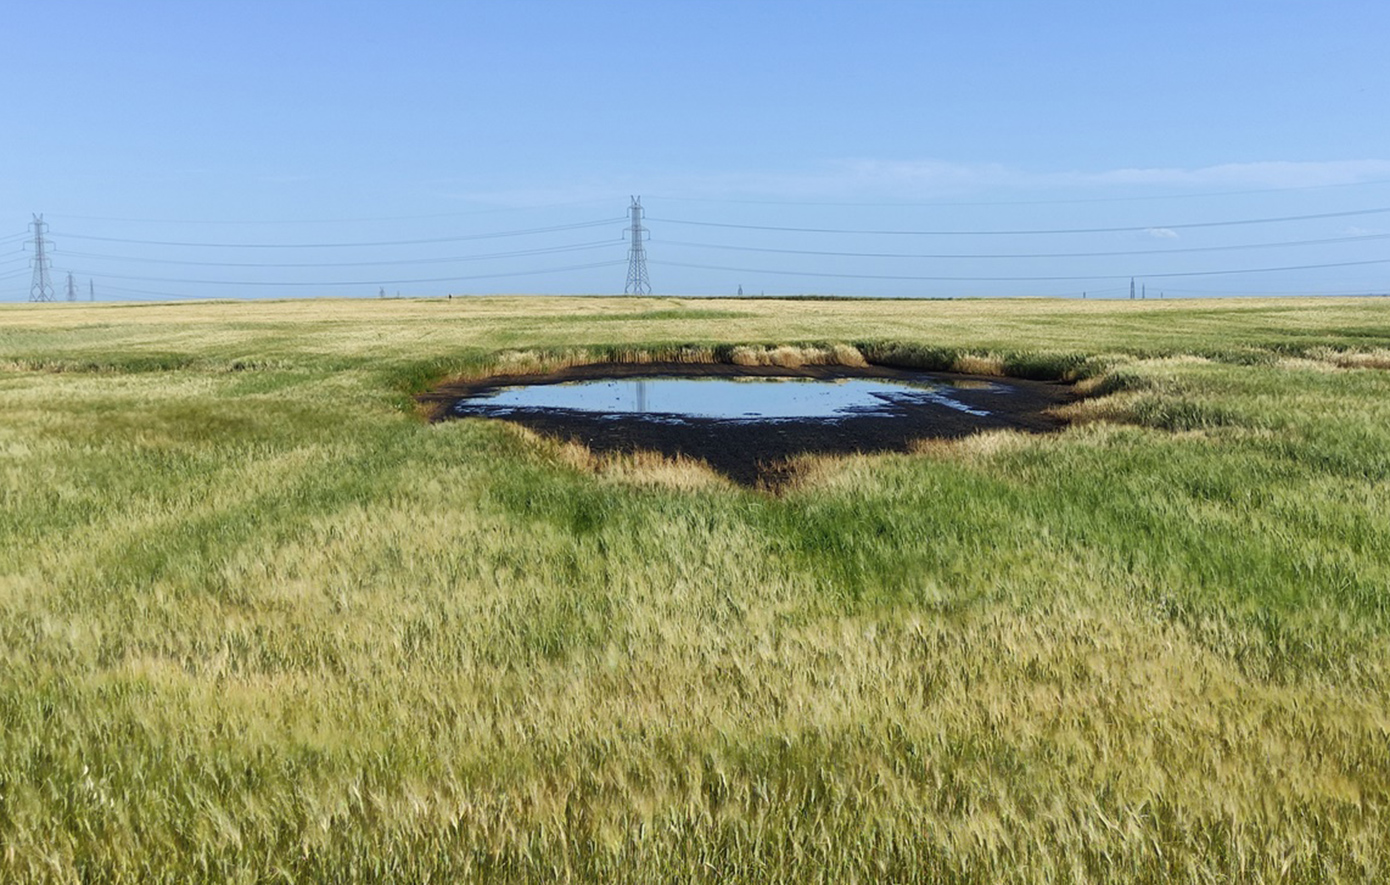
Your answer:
<point x="261" y="621"/>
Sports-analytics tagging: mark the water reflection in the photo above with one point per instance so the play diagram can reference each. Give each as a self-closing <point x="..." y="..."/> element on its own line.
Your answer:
<point x="741" y="399"/>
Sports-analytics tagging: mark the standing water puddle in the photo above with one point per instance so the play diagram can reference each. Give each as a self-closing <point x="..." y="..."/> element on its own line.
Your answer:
<point x="750" y="422"/>
<point x="727" y="399"/>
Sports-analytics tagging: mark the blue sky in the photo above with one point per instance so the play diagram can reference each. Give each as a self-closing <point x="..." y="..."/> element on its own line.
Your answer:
<point x="496" y="146"/>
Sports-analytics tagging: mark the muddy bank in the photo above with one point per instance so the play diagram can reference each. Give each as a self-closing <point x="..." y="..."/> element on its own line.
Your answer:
<point x="754" y="452"/>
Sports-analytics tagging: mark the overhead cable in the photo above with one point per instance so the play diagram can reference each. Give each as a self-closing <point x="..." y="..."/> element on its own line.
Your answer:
<point x="1031" y="279"/>
<point x="550" y="250"/>
<point x="1155" y="252"/>
<point x="987" y="233"/>
<point x="265" y="221"/>
<point x="881" y="204"/>
<point x="458" y="239"/>
<point x="326" y="283"/>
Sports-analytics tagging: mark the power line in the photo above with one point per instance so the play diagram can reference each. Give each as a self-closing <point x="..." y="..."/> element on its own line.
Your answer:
<point x="149" y="293"/>
<point x="1067" y="202"/>
<point x="1035" y="279"/>
<point x="1124" y="253"/>
<point x="549" y="250"/>
<point x="487" y="236"/>
<point x="327" y="283"/>
<point x="267" y="222"/>
<point x="637" y="234"/>
<point x="986" y="233"/>
<point x="1375" y="289"/>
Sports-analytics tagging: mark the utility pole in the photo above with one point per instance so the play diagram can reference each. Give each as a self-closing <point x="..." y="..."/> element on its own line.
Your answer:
<point x="637" y="283"/>
<point x="72" y="288"/>
<point x="41" y="289"/>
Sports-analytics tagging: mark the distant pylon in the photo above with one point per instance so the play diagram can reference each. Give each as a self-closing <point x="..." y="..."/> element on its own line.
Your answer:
<point x="91" y="291"/>
<point x="72" y="288"/>
<point x="1131" y="288"/>
<point x="41" y="289"/>
<point x="637" y="283"/>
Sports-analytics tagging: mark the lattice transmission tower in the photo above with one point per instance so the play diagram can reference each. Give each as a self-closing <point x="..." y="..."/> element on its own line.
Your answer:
<point x="41" y="289"/>
<point x="637" y="283"/>
<point x="72" y="288"/>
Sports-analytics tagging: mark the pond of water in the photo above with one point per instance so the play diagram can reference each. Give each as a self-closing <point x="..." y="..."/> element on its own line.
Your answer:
<point x="728" y="399"/>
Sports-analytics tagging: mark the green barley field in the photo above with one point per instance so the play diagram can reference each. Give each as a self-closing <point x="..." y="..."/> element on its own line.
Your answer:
<point x="260" y="621"/>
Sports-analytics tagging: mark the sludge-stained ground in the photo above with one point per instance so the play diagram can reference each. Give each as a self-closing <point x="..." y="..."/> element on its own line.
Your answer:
<point x="756" y="452"/>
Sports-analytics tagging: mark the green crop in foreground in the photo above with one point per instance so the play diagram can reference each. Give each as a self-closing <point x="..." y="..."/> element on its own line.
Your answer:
<point x="260" y="622"/>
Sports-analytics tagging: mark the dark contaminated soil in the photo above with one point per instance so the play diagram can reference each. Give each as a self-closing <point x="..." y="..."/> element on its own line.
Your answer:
<point x="756" y="452"/>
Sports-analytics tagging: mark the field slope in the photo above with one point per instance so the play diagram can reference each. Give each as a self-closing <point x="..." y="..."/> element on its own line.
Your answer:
<point x="260" y="621"/>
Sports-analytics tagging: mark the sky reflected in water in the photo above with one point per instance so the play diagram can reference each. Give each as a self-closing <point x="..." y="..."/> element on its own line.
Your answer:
<point x="744" y="399"/>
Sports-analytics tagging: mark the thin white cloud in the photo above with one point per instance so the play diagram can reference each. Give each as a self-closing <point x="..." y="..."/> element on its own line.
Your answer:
<point x="873" y="179"/>
<point x="1260" y="175"/>
<point x="1162" y="233"/>
<point x="1269" y="174"/>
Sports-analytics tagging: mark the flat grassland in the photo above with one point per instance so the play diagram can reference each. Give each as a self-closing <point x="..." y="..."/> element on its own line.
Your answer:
<point x="260" y="621"/>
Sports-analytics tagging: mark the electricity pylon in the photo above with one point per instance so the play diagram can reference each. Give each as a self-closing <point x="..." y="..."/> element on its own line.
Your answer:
<point x="41" y="289"/>
<point x="637" y="283"/>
